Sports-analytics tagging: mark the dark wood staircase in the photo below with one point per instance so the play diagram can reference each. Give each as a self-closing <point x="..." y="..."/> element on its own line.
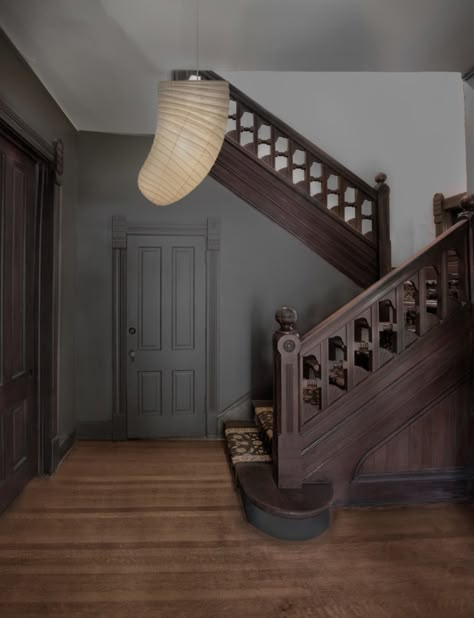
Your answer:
<point x="375" y="404"/>
<point x="302" y="188"/>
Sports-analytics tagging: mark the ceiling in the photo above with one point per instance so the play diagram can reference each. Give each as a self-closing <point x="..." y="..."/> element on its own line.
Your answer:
<point x="101" y="59"/>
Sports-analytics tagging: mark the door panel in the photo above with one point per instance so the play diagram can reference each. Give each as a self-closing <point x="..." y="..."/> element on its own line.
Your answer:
<point x="166" y="336"/>
<point x="18" y="427"/>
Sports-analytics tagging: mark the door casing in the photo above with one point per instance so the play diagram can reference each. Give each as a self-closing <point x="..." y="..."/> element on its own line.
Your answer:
<point x="48" y="158"/>
<point x="121" y="229"/>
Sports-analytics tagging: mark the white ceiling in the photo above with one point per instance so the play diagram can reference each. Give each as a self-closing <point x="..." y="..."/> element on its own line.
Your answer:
<point x="101" y="59"/>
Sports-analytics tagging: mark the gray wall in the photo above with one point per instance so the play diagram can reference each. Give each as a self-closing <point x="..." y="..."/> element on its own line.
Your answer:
<point x="469" y="114"/>
<point x="23" y="92"/>
<point x="262" y="268"/>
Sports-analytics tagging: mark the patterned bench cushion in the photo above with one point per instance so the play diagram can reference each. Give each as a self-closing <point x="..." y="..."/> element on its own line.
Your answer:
<point x="245" y="445"/>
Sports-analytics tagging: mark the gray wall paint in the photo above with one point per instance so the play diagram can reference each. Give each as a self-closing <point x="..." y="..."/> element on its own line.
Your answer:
<point x="262" y="268"/>
<point x="469" y="115"/>
<point x="24" y="93"/>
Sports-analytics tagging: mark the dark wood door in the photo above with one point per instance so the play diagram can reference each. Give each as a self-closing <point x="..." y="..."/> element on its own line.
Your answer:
<point x="18" y="422"/>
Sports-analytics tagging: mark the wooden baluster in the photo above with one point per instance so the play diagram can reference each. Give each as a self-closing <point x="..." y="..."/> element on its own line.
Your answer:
<point x="325" y="173"/>
<point x="443" y="287"/>
<point x="359" y="200"/>
<point x="382" y="224"/>
<point x="422" y="324"/>
<point x="238" y="112"/>
<point x="467" y="205"/>
<point x="375" y="325"/>
<point x="273" y="139"/>
<point x="325" y="374"/>
<point x="350" y="355"/>
<point x="341" y="196"/>
<point x="307" y="165"/>
<point x="287" y="460"/>
<point x="290" y="152"/>
<point x="256" y="126"/>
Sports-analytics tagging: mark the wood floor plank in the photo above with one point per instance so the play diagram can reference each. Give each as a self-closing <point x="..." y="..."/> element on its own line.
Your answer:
<point x="155" y="529"/>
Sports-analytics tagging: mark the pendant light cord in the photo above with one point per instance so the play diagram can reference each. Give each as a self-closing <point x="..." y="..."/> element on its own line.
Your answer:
<point x="197" y="38"/>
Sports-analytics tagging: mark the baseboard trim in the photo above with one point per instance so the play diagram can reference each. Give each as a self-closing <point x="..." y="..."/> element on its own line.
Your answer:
<point x="66" y="444"/>
<point x="439" y="486"/>
<point x="95" y="430"/>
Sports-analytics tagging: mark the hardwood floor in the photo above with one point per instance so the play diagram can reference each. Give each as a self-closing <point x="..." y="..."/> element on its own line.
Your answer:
<point x="154" y="529"/>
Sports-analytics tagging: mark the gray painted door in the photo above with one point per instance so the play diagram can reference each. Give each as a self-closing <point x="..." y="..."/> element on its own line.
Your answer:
<point x="166" y="336"/>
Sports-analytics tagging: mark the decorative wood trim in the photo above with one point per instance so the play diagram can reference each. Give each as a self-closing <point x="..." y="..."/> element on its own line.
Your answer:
<point x="121" y="228"/>
<point x="286" y="443"/>
<point x="47" y="157"/>
<point x="382" y="212"/>
<point x="312" y="218"/>
<point x="379" y="289"/>
<point x="11" y="122"/>
<point x="435" y="486"/>
<point x="285" y="129"/>
<point x="282" y="202"/>
<point x="445" y="210"/>
<point x="213" y="245"/>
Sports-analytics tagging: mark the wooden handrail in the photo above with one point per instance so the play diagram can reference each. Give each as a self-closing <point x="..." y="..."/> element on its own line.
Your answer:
<point x="379" y="289"/>
<point x="310" y="171"/>
<point x="282" y="127"/>
<point x="329" y="362"/>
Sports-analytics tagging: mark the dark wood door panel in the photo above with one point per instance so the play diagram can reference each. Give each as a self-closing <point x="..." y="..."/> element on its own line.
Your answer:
<point x="18" y="437"/>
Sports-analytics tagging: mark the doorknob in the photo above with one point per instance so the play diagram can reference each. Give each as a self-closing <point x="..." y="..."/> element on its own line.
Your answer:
<point x="132" y="355"/>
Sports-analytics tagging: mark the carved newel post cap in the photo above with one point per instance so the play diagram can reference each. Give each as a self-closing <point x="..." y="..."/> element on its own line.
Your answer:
<point x="286" y="318"/>
<point x="380" y="178"/>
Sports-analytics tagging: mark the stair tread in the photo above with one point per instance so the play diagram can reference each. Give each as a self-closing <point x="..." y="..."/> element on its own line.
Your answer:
<point x="245" y="444"/>
<point x="258" y="484"/>
<point x="264" y="418"/>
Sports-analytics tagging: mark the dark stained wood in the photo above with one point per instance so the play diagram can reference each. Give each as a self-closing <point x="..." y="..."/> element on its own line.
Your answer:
<point x="287" y="205"/>
<point x="43" y="249"/>
<point x="383" y="225"/>
<point x="257" y="482"/>
<point x="155" y="530"/>
<point x="300" y="187"/>
<point x="286" y="444"/>
<point x="390" y="383"/>
<point x="446" y="210"/>
<point x="18" y="404"/>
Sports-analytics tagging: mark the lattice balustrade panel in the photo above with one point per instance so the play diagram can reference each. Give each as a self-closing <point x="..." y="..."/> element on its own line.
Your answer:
<point x="361" y="343"/>
<point x="301" y="167"/>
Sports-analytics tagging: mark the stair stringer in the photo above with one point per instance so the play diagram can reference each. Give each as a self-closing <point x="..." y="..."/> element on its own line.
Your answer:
<point x="409" y="386"/>
<point x="318" y="228"/>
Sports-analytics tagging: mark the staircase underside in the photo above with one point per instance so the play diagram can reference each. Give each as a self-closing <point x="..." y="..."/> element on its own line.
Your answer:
<point x="273" y="195"/>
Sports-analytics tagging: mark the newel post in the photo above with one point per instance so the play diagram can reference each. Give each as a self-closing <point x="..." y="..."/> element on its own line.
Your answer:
<point x="287" y="460"/>
<point x="383" y="224"/>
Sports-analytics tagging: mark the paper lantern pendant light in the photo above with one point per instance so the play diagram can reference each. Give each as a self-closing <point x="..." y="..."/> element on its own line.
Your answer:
<point x="192" y="118"/>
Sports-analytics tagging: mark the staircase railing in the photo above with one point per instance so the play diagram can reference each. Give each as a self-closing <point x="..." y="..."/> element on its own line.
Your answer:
<point x="329" y="362"/>
<point x="310" y="170"/>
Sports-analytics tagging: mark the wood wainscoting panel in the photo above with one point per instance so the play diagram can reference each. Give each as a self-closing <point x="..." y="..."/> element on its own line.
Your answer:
<point x="440" y="439"/>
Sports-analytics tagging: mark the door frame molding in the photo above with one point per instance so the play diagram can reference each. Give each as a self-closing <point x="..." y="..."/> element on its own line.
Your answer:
<point x="211" y="231"/>
<point x="48" y="158"/>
